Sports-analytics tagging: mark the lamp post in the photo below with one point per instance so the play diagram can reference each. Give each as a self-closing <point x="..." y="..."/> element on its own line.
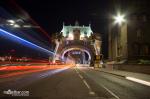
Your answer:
<point x="119" y="19"/>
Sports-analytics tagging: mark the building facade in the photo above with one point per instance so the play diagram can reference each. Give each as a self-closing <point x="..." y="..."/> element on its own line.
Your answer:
<point x="130" y="40"/>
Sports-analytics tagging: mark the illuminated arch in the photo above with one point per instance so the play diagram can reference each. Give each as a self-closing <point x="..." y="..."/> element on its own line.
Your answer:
<point x="82" y="49"/>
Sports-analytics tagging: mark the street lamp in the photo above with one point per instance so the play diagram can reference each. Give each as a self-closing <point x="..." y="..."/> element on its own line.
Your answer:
<point x="119" y="19"/>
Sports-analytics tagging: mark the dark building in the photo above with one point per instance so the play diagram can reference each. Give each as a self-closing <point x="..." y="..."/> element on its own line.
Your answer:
<point x="130" y="40"/>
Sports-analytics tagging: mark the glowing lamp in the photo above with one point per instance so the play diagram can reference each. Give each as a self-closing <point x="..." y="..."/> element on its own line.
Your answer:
<point x="119" y="19"/>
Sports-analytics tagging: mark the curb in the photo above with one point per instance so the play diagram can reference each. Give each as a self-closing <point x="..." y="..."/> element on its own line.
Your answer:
<point x="111" y="73"/>
<point x="134" y="79"/>
<point x="114" y="74"/>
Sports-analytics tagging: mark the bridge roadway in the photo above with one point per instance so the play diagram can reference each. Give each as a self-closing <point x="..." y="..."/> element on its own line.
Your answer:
<point x="73" y="83"/>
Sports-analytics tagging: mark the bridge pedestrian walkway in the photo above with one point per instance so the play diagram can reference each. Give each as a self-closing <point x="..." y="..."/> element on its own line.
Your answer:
<point x="136" y="77"/>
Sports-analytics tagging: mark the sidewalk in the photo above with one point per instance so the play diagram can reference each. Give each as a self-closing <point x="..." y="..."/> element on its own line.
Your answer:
<point x="125" y="74"/>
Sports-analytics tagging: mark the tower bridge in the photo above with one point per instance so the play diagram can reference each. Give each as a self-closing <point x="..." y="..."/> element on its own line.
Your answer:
<point x="78" y="43"/>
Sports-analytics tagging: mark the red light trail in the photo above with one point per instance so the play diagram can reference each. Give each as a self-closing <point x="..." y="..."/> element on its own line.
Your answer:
<point x="19" y="70"/>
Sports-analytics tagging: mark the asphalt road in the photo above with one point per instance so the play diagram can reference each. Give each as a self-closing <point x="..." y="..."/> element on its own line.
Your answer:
<point x="73" y="83"/>
<point x="117" y="86"/>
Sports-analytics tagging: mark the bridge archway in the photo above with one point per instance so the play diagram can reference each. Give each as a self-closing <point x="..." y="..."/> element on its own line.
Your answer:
<point x="79" y="38"/>
<point x="81" y="49"/>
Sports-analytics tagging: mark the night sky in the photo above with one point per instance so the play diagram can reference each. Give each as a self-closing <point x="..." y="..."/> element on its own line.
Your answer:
<point x="50" y="15"/>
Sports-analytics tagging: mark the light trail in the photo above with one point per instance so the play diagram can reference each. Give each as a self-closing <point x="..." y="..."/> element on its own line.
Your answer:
<point x="21" y="70"/>
<point x="14" y="68"/>
<point x="23" y="41"/>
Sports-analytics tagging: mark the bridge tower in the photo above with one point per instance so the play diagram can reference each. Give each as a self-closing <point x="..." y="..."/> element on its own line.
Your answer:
<point x="78" y="43"/>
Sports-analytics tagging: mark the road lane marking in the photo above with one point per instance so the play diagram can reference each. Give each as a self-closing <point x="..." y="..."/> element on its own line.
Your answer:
<point x="90" y="90"/>
<point x="85" y="83"/>
<point x="76" y="71"/>
<point x="81" y="76"/>
<point x="110" y="92"/>
<point x="138" y="81"/>
<point x="92" y="93"/>
<point x="113" y="94"/>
